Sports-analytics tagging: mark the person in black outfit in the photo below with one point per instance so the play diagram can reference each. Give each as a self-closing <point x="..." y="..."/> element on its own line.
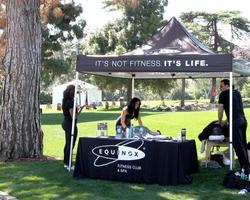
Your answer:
<point x="239" y="122"/>
<point x="67" y="107"/>
<point x="130" y="112"/>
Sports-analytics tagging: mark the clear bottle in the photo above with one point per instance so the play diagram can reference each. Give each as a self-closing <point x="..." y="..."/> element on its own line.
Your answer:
<point x="183" y="134"/>
<point x="242" y="174"/>
<point x="119" y="132"/>
<point x="141" y="131"/>
<point x="127" y="132"/>
<point x="102" y="129"/>
<point x="131" y="134"/>
<point x="106" y="129"/>
<point x="98" y="132"/>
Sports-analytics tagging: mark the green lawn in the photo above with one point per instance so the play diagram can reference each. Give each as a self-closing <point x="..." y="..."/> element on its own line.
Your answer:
<point x="49" y="180"/>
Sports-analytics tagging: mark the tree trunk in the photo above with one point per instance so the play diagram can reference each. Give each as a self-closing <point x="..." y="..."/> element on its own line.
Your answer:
<point x="20" y="128"/>
<point x="183" y="85"/>
<point x="212" y="97"/>
<point x="129" y="90"/>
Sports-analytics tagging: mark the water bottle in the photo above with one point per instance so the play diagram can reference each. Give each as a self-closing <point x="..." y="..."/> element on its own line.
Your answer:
<point x="98" y="130"/>
<point x="242" y="174"/>
<point x="106" y="129"/>
<point x="123" y="132"/>
<point x="119" y="132"/>
<point x="183" y="134"/>
<point x="131" y="135"/>
<point x="141" y="131"/>
<point x="127" y="132"/>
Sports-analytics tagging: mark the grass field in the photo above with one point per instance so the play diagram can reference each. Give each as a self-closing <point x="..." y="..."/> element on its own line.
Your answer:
<point x="49" y="180"/>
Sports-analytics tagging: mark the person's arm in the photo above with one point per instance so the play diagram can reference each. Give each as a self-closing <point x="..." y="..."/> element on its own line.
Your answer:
<point x="71" y="112"/>
<point x="220" y="114"/>
<point x="123" y="117"/>
<point x="79" y="110"/>
<point x="139" y="120"/>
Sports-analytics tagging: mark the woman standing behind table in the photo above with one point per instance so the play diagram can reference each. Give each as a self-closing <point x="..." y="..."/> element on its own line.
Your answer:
<point x="130" y="112"/>
<point x="67" y="106"/>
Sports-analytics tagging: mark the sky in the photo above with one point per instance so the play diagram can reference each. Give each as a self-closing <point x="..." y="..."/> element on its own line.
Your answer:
<point x="96" y="17"/>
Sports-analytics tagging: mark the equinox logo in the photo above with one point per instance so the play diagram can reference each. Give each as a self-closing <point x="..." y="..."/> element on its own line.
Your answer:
<point x="120" y="151"/>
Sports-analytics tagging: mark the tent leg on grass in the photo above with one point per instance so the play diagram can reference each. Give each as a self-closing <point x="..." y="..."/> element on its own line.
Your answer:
<point x="231" y="121"/>
<point x="73" y="123"/>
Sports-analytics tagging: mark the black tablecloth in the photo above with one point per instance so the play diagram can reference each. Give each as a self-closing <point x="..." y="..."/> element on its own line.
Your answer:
<point x="163" y="162"/>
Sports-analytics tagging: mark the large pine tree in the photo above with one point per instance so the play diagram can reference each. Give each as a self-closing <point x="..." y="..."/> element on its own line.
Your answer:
<point x="20" y="129"/>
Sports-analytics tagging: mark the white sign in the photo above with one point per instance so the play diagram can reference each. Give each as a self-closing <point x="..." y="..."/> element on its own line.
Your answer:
<point x="120" y="151"/>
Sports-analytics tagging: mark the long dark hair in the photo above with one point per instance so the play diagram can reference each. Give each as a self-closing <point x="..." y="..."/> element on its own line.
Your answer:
<point x="69" y="93"/>
<point x="131" y="107"/>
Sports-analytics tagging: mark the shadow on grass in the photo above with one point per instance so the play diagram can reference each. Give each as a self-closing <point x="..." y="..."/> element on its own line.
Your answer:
<point x="49" y="180"/>
<point x="57" y="118"/>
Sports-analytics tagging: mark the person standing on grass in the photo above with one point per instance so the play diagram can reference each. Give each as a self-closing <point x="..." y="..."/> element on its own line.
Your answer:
<point x="130" y="112"/>
<point x="239" y="122"/>
<point x="67" y="106"/>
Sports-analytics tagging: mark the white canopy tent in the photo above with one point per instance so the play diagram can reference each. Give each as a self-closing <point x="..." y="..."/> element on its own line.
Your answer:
<point x="171" y="53"/>
<point x="86" y="92"/>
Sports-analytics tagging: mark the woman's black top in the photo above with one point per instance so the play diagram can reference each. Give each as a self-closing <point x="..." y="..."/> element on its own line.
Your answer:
<point x="127" y="120"/>
<point x="67" y="105"/>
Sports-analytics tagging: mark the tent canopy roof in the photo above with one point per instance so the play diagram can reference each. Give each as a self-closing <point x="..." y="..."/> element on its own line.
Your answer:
<point x="172" y="49"/>
<point x="172" y="39"/>
<point x="81" y="84"/>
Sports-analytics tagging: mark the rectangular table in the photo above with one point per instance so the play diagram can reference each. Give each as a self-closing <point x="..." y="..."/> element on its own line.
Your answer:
<point x="136" y="160"/>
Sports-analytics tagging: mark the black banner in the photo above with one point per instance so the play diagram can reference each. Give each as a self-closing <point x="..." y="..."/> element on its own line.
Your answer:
<point x="156" y="63"/>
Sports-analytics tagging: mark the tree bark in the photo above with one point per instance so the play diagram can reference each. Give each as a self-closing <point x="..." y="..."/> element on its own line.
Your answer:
<point x="20" y="128"/>
<point x="183" y="85"/>
<point x="215" y="48"/>
<point x="212" y="98"/>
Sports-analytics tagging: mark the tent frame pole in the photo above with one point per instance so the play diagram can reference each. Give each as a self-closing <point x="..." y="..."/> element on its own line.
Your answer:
<point x="133" y="85"/>
<point x="73" y="123"/>
<point x="231" y="121"/>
